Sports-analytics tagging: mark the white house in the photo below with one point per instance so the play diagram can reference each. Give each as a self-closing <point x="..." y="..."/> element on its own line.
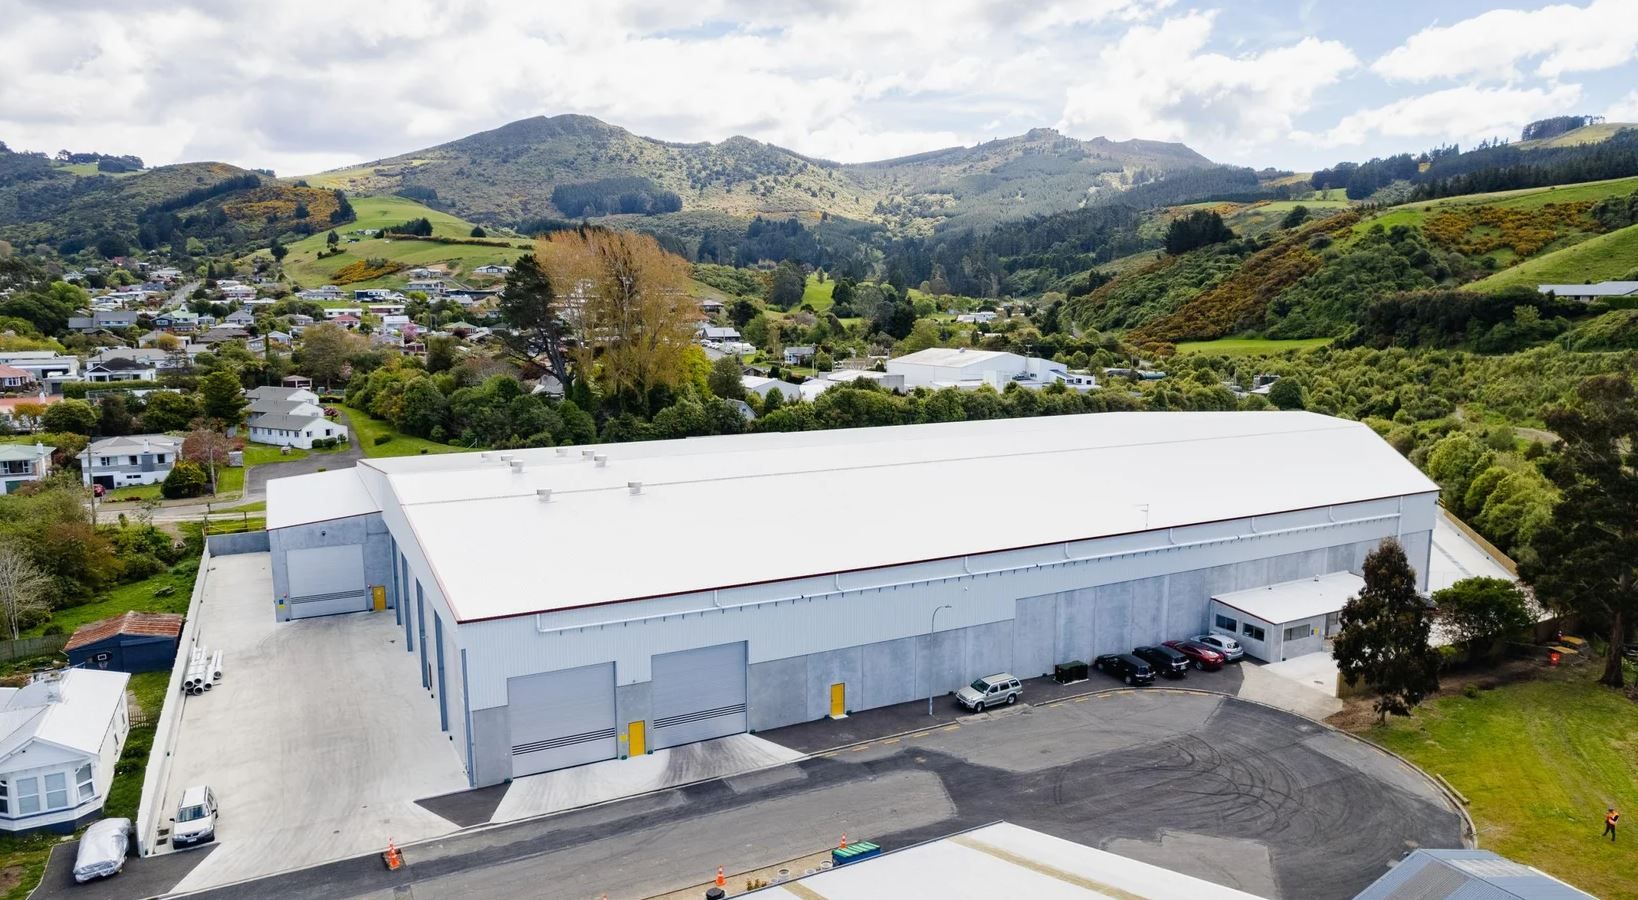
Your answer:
<point x="59" y="740"/>
<point x="339" y="311"/>
<point x="797" y="355"/>
<point x="492" y="269"/>
<point x="328" y="292"/>
<point x="824" y="381"/>
<point x="1291" y="618"/>
<point x="121" y="368"/>
<point x="289" y="417"/>
<point x="426" y="286"/>
<point x="762" y="387"/>
<point x="20" y="463"/>
<point x="129" y="459"/>
<point x="240" y="317"/>
<point x="961" y="367"/>
<point x="983" y="316"/>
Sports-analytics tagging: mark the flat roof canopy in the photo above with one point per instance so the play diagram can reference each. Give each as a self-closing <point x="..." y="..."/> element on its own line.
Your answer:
<point x="1294" y="601"/>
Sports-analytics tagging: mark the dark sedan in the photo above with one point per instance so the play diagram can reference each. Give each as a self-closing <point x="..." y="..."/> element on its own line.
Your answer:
<point x="1204" y="657"/>
<point x="1165" y="660"/>
<point x="1126" y="667"/>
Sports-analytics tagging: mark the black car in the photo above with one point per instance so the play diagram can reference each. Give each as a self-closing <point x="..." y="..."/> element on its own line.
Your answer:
<point x="1126" y="667"/>
<point x="1165" y="660"/>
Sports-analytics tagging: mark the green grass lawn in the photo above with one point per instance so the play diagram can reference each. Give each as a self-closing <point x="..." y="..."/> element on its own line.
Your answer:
<point x="303" y="266"/>
<point x="818" y="295"/>
<point x="147" y="595"/>
<point x="133" y="492"/>
<point x="370" y="429"/>
<point x="1540" y="761"/>
<point x="258" y="506"/>
<point x="1605" y="257"/>
<point x="1251" y="346"/>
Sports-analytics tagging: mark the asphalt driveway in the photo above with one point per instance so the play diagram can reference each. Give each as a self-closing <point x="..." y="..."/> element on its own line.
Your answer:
<point x="1230" y="791"/>
<point x="256" y="478"/>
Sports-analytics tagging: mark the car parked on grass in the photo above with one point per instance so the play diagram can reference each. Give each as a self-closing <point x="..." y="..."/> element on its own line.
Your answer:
<point x="102" y="850"/>
<point x="1126" y="667"/>
<point x="1164" y="660"/>
<point x="991" y="690"/>
<point x="1204" y="656"/>
<point x="195" y="817"/>
<point x="1222" y="643"/>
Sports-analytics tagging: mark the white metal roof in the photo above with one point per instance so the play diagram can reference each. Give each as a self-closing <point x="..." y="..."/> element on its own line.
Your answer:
<point x="1293" y="601"/>
<point x="954" y="357"/>
<point x="1601" y="289"/>
<point x="319" y="497"/>
<point x="71" y="711"/>
<point x="931" y="491"/>
<point x="1004" y="860"/>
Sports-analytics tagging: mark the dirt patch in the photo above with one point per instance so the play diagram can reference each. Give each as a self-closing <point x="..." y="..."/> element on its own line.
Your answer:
<point x="10" y="878"/>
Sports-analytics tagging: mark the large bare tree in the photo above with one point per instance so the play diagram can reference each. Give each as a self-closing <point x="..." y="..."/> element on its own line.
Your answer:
<point x="23" y="588"/>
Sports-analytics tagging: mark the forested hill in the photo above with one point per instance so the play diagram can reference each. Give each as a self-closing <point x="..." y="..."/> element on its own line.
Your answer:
<point x="218" y="207"/>
<point x="573" y="166"/>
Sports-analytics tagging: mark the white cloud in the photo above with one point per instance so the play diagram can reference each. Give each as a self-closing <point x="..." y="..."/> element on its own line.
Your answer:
<point x="1464" y="114"/>
<point x="1493" y="45"/>
<point x="1624" y="109"/>
<point x="1159" y="82"/>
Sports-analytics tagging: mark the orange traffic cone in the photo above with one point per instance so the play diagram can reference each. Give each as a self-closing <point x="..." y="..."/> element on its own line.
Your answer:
<point x="721" y="881"/>
<point x="392" y="857"/>
<point x="844" y="840"/>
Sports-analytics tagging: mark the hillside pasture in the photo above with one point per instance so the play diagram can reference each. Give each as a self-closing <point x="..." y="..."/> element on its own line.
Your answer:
<point x="304" y="267"/>
<point x="1249" y="346"/>
<point x="1603" y="258"/>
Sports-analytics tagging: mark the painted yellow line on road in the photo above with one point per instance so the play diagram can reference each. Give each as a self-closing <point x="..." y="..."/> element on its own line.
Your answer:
<point x="861" y="748"/>
<point x="891" y="741"/>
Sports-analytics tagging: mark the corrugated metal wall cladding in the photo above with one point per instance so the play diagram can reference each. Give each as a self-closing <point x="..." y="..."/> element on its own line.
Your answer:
<point x="506" y="647"/>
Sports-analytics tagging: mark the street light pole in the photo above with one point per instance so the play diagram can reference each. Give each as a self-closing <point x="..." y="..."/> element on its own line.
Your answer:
<point x="931" y="627"/>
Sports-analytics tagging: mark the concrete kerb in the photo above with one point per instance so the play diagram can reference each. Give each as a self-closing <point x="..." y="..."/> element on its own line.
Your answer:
<point x="1471" y="834"/>
<point x="157" y="773"/>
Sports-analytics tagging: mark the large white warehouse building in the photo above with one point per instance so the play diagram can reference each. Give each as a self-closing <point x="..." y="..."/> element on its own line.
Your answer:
<point x="571" y="605"/>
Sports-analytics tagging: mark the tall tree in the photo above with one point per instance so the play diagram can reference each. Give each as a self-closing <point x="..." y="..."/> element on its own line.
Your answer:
<point x="786" y="285"/>
<point x="726" y="380"/>
<point x="23" y="587"/>
<point x="1586" y="562"/>
<point x="1478" y="611"/>
<point x="209" y="449"/>
<point x="536" y="331"/>
<point x="324" y="351"/>
<point x="1384" y="637"/>
<point x="631" y="315"/>
<point x="221" y="397"/>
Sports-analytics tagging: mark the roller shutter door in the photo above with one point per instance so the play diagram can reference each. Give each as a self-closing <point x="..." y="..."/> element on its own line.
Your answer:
<point x="561" y="719"/>
<point x="698" y="694"/>
<point x="327" y="580"/>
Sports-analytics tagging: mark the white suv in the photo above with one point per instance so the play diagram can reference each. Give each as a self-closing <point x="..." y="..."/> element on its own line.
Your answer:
<point x="991" y="690"/>
<point x="195" y="817"/>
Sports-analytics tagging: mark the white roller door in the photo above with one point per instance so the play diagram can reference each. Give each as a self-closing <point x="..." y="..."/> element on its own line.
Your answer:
<point x="327" y="580"/>
<point x="561" y="719"/>
<point x="698" y="694"/>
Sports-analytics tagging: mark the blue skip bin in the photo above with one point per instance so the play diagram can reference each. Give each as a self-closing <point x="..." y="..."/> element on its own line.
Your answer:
<point x="854" y="852"/>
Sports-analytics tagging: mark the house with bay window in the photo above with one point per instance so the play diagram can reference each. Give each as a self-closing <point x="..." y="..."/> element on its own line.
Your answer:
<point x="59" y="740"/>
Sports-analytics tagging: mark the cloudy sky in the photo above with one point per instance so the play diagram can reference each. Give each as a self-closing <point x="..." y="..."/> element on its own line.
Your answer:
<point x="301" y="85"/>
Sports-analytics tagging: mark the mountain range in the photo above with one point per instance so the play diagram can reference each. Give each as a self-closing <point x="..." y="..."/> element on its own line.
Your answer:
<point x="547" y="167"/>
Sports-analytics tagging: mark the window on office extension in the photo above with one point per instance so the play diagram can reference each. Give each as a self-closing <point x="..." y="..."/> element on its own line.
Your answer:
<point x="1298" y="632"/>
<point x="1227" y="623"/>
<point x="1252" y="631"/>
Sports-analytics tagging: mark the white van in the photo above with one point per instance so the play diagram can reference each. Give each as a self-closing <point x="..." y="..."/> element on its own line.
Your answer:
<point x="195" y="817"/>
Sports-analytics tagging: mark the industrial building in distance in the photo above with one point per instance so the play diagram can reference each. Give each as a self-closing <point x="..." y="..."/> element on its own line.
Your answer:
<point x="569" y="605"/>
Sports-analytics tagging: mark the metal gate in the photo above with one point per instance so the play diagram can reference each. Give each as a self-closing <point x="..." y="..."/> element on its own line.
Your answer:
<point x="561" y="719"/>
<point x="698" y="694"/>
<point x="326" y="580"/>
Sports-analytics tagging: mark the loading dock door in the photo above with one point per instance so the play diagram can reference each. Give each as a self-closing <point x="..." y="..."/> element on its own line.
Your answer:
<point x="327" y="580"/>
<point x="698" y="694"/>
<point x="561" y="719"/>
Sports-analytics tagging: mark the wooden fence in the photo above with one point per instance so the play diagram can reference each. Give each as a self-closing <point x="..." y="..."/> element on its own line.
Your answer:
<point x="34" y="646"/>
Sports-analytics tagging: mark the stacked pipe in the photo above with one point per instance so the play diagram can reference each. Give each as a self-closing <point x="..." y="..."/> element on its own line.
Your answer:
<point x="203" y="672"/>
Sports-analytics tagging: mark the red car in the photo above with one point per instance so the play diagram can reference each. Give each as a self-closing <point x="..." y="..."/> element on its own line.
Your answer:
<point x="1204" y="657"/>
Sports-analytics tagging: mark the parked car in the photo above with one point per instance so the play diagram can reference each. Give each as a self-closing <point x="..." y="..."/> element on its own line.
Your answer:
<point x="103" y="848"/>
<point x="1126" y="667"/>
<point x="991" y="690"/>
<point x="1204" y="656"/>
<point x="1165" y="660"/>
<point x="1222" y="643"/>
<point x="195" y="817"/>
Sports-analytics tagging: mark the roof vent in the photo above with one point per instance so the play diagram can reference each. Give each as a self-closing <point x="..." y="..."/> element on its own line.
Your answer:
<point x="562" y="451"/>
<point x="587" y="454"/>
<point x="544" y="495"/>
<point x="517" y="467"/>
<point x="636" y="487"/>
<point x="506" y="457"/>
<point x="484" y="456"/>
<point x="601" y="459"/>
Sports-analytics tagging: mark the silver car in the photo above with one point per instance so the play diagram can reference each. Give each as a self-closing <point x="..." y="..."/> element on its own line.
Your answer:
<point x="1222" y="643"/>
<point x="991" y="690"/>
<point x="102" y="849"/>
<point x="195" y="817"/>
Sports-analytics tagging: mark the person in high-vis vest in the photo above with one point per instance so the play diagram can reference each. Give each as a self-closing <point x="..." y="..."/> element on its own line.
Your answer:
<point x="1610" y="818"/>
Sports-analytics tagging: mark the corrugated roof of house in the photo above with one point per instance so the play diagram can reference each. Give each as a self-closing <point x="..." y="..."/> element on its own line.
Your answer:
<point x="134" y="623"/>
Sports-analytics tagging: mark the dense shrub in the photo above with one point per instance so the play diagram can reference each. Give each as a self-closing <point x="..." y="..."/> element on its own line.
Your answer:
<point x="187" y="479"/>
